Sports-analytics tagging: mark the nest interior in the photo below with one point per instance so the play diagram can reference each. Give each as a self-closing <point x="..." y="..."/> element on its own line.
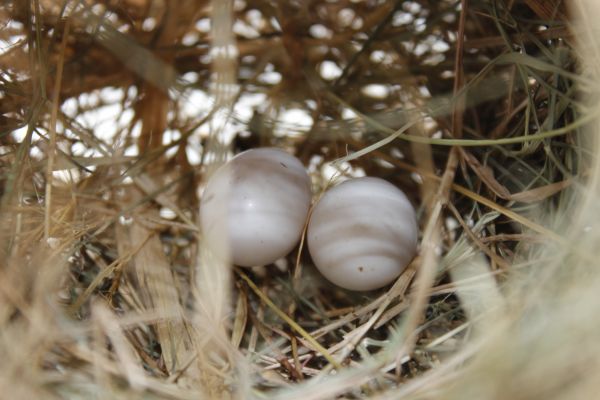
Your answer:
<point x="113" y="113"/>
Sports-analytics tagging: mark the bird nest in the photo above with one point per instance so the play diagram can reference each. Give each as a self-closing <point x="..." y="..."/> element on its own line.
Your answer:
<point x="114" y="113"/>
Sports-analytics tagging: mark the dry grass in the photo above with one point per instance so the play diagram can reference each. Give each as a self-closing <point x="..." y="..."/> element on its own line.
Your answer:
<point x="113" y="114"/>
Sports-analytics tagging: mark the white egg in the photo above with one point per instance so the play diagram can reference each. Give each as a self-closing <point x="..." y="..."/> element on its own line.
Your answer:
<point x="255" y="206"/>
<point x="362" y="233"/>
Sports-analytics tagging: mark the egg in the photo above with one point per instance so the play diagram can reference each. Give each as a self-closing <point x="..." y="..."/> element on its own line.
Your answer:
<point x="255" y="206"/>
<point x="362" y="233"/>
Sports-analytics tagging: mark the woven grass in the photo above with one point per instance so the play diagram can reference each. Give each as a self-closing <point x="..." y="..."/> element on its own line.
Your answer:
<point x="113" y="114"/>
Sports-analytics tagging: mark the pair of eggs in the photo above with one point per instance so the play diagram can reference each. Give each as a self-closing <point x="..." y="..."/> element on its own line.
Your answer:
<point x="361" y="235"/>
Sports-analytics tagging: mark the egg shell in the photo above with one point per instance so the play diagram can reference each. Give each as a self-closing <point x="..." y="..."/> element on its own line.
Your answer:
<point x="362" y="233"/>
<point x="255" y="206"/>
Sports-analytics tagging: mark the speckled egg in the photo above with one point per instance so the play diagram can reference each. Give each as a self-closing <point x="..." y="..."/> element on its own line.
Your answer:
<point x="362" y="233"/>
<point x="256" y="205"/>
